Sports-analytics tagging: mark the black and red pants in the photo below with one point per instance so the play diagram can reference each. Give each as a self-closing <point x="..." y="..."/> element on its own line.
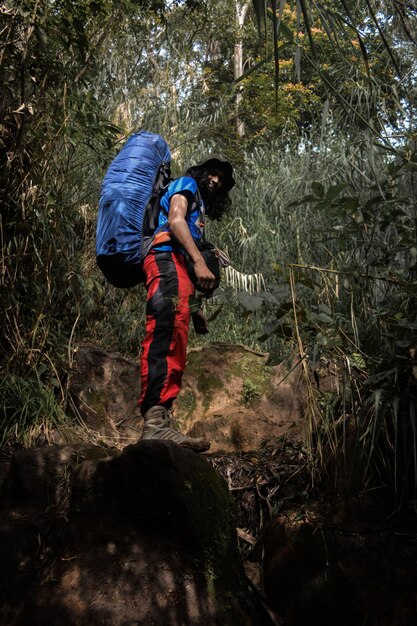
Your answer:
<point x="164" y="347"/>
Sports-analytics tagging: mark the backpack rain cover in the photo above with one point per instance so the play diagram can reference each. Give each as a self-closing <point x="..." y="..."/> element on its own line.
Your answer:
<point x="125" y="194"/>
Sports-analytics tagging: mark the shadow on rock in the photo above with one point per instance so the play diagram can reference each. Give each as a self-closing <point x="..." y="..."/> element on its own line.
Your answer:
<point x="149" y="538"/>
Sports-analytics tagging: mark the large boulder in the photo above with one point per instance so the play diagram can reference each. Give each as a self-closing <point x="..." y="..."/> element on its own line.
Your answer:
<point x="148" y="537"/>
<point x="34" y="508"/>
<point x="229" y="395"/>
<point x="39" y="478"/>
<point x="104" y="391"/>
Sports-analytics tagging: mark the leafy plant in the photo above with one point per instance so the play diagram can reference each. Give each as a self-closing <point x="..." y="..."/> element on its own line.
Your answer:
<point x="29" y="411"/>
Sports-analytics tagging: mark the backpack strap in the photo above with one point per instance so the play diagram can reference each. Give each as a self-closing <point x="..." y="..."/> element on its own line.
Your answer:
<point x="154" y="208"/>
<point x="197" y="204"/>
<point x="161" y="183"/>
<point x="151" y="216"/>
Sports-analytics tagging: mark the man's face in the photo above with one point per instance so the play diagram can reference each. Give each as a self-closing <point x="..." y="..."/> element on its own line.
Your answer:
<point x="215" y="181"/>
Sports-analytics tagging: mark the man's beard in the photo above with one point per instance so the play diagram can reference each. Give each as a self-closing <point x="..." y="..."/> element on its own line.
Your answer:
<point x="207" y="191"/>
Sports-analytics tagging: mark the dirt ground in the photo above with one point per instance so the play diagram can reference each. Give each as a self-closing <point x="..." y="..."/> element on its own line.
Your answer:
<point x="310" y="550"/>
<point x="321" y="555"/>
<point x="323" y="552"/>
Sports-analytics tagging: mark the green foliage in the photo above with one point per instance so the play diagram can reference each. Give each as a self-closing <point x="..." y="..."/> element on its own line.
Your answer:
<point x="323" y="231"/>
<point x="339" y="264"/>
<point x="250" y="392"/>
<point x="358" y="57"/>
<point x="28" y="411"/>
<point x="265" y="115"/>
<point x="54" y="141"/>
<point x="330" y="224"/>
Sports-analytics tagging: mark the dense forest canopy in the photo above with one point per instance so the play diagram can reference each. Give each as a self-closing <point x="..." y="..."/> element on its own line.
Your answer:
<point x="315" y="103"/>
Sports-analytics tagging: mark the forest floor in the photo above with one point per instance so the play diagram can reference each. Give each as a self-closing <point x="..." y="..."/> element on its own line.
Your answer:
<point x="311" y="549"/>
<point x="310" y="545"/>
<point x="299" y="538"/>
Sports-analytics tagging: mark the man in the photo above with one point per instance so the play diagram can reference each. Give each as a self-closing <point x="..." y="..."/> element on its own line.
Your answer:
<point x="177" y="255"/>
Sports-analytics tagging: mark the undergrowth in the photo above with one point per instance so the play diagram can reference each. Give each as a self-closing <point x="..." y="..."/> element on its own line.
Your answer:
<point x="29" y="411"/>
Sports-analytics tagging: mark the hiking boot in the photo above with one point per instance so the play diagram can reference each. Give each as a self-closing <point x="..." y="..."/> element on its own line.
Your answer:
<point x="158" y="426"/>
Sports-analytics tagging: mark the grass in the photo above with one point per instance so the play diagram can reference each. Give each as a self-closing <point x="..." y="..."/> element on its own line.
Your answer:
<point x="29" y="412"/>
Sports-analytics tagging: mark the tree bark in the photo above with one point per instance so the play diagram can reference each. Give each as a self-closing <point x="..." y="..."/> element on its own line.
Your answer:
<point x="241" y="12"/>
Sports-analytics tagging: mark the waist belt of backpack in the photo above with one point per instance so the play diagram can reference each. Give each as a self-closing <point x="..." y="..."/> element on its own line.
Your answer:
<point x="161" y="237"/>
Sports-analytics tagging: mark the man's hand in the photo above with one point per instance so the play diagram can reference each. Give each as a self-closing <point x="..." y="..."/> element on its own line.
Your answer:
<point x="204" y="277"/>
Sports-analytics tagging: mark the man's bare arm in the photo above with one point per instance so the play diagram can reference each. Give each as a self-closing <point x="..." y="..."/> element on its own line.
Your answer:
<point x="176" y="219"/>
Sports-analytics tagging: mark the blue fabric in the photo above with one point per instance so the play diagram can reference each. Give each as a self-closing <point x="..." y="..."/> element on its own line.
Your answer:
<point x="194" y="218"/>
<point x="125" y="194"/>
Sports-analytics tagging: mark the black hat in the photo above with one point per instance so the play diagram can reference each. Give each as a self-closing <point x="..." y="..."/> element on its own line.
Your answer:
<point x="219" y="162"/>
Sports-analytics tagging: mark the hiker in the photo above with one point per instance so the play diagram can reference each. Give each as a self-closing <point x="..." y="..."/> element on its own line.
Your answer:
<point x="175" y="266"/>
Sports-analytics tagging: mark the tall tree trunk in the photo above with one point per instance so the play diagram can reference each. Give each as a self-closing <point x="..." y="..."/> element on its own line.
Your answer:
<point x="241" y="12"/>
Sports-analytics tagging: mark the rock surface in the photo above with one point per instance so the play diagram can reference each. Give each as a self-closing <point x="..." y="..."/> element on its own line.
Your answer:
<point x="143" y="537"/>
<point x="89" y="535"/>
<point x="104" y="389"/>
<point x="229" y="395"/>
<point x="233" y="398"/>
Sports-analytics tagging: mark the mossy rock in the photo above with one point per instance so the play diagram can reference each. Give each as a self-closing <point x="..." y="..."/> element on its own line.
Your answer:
<point x="231" y="396"/>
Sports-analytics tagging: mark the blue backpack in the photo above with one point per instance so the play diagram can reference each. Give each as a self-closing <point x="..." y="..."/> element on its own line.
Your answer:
<point x="129" y="207"/>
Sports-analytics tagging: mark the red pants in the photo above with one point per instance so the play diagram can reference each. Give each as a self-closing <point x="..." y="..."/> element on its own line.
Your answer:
<point x="167" y="323"/>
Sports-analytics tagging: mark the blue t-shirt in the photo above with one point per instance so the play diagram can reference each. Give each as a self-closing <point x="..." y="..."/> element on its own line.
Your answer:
<point x="195" y="214"/>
